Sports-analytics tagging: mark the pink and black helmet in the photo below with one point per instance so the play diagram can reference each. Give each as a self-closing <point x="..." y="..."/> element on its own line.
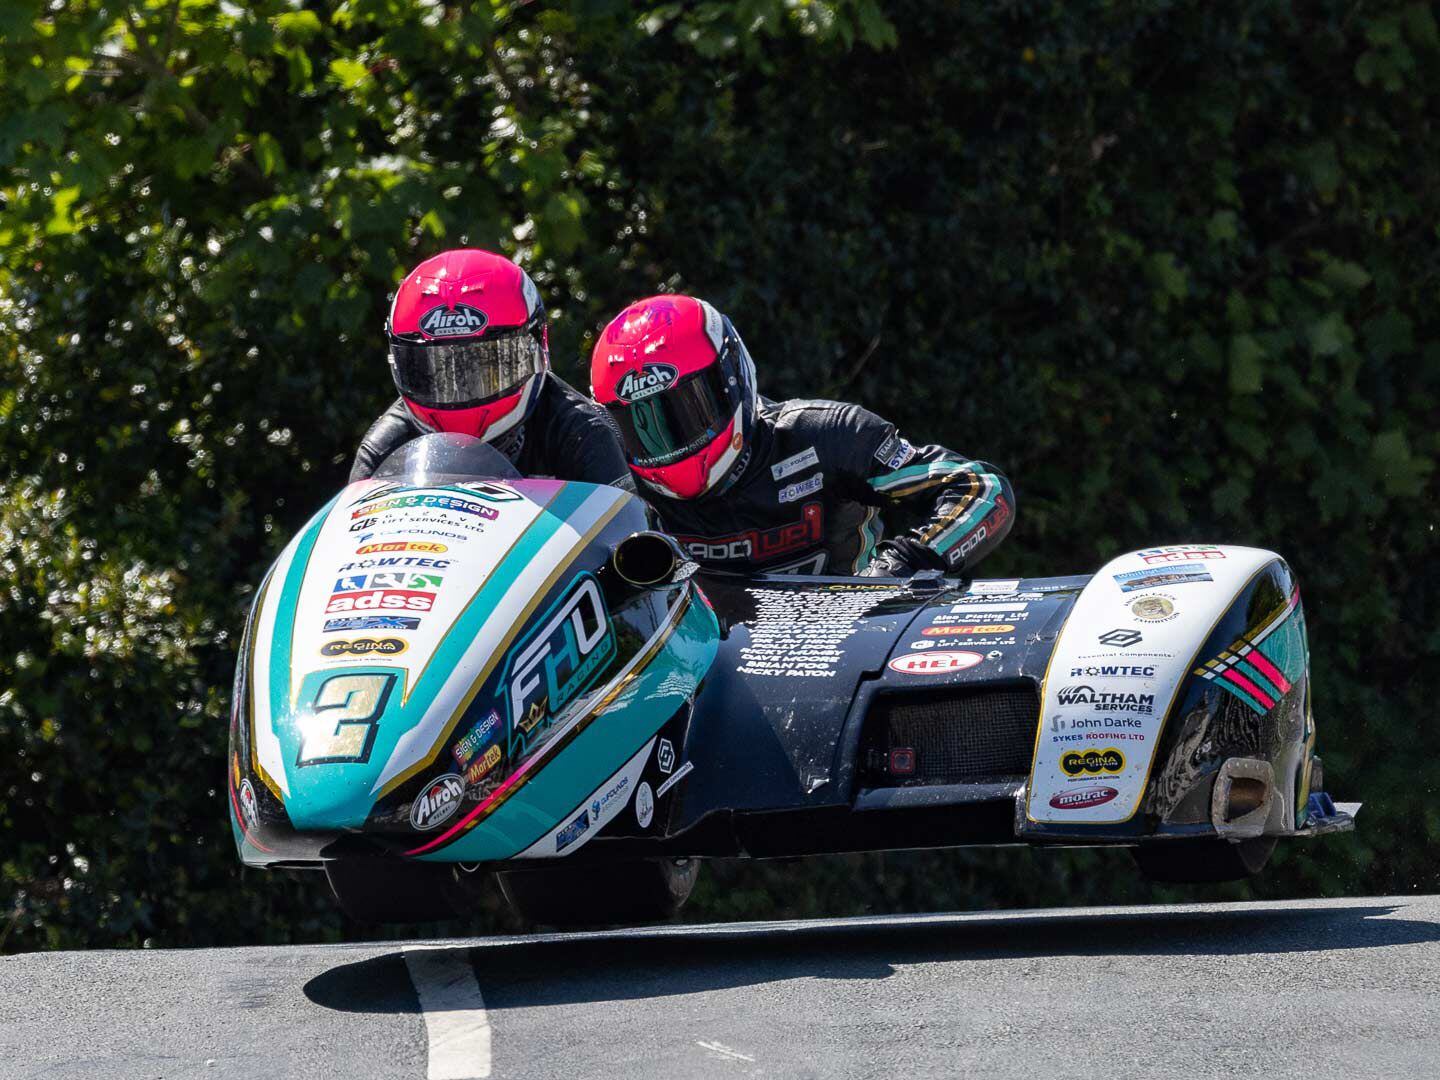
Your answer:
<point x="680" y="384"/>
<point x="468" y="345"/>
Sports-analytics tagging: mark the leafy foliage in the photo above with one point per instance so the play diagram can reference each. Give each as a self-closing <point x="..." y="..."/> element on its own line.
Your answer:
<point x="1173" y="265"/>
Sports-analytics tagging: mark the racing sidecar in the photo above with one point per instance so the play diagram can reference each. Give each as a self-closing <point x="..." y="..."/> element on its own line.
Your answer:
<point x="452" y="671"/>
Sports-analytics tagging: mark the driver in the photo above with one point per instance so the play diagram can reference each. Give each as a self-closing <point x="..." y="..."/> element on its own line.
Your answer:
<point x="745" y="483"/>
<point x="469" y="353"/>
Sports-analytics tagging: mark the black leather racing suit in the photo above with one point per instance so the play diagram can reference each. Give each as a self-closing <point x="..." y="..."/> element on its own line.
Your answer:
<point x="810" y="491"/>
<point x="566" y="436"/>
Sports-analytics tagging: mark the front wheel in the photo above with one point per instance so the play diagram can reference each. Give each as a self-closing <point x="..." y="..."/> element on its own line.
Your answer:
<point x="1203" y="860"/>
<point x="639" y="891"/>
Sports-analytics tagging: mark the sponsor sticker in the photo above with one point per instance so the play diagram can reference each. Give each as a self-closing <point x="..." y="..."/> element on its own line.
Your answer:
<point x="446" y="322"/>
<point x="364" y="646"/>
<point x="477" y="739"/>
<point x="481" y="766"/>
<point x="795" y="463"/>
<point x="1177" y="553"/>
<point x="935" y="663"/>
<point x="437" y="802"/>
<point x="1183" y="574"/>
<point x="383" y="599"/>
<point x="572" y="832"/>
<point x="1154" y="608"/>
<point x="966" y="607"/>
<point x="894" y="451"/>
<point x="1092" y="762"/>
<point x="1114" y="671"/>
<point x="1120" y="638"/>
<point x="796" y="492"/>
<point x="644" y="805"/>
<point x="401" y="545"/>
<point x="388" y="579"/>
<point x="1083" y="798"/>
<point x="372" y="622"/>
<point x="433" y="502"/>
<point x="969" y="628"/>
<point x="1114" y="701"/>
<point x="396" y="560"/>
<point x="675" y="777"/>
<point x="647" y="382"/>
<point x="249" y="808"/>
<point x="665" y="756"/>
<point x="985" y="588"/>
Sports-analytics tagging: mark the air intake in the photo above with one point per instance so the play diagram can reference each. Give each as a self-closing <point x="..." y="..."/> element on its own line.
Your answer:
<point x="957" y="738"/>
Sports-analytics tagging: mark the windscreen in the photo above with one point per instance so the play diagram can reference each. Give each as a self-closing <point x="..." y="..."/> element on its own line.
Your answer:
<point x="443" y="457"/>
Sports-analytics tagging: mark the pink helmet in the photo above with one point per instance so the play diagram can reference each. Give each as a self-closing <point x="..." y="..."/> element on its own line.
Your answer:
<point x="468" y="347"/>
<point x="676" y="377"/>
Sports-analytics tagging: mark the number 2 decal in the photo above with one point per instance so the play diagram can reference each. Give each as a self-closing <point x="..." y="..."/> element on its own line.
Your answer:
<point x="343" y="725"/>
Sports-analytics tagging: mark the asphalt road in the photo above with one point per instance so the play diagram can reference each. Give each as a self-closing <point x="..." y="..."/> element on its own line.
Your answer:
<point x="1347" y="988"/>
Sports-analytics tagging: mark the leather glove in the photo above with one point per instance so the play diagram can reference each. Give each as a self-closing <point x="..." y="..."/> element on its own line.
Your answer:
<point x="889" y="561"/>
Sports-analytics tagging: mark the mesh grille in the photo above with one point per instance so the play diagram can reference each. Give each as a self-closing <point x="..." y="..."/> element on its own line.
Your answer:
<point x="965" y="738"/>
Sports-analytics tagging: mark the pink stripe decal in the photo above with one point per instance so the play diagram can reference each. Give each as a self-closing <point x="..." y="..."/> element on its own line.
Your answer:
<point x="490" y="800"/>
<point x="1250" y="688"/>
<point x="1269" y="670"/>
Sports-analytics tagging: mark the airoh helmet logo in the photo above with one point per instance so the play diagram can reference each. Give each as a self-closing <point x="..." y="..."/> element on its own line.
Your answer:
<point x="460" y="321"/>
<point x="648" y="381"/>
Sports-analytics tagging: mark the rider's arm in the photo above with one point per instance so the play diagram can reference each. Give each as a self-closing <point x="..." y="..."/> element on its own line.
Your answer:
<point x="391" y="430"/>
<point x="590" y="447"/>
<point x="965" y="507"/>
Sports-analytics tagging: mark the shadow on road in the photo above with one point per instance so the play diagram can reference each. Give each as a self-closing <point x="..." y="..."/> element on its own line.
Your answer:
<point x="556" y="969"/>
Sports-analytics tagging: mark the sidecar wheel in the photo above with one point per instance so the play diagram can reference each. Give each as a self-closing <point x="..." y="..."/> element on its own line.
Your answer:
<point x="640" y="891"/>
<point x="390" y="891"/>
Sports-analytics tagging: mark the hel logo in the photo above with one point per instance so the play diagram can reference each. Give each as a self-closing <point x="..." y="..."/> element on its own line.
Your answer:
<point x="1083" y="799"/>
<point x="1076" y="762"/>
<point x="437" y="802"/>
<point x="935" y="663"/>
<point x="364" y="646"/>
<point x="647" y="382"/>
<point x="461" y="321"/>
<point x="392" y="599"/>
<point x="562" y="658"/>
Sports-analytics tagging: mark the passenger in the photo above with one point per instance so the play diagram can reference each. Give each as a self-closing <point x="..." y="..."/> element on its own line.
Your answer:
<point x="749" y="484"/>
<point x="469" y="353"/>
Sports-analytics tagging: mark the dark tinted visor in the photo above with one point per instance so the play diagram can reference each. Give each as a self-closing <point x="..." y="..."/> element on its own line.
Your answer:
<point x="454" y="376"/>
<point x="677" y="422"/>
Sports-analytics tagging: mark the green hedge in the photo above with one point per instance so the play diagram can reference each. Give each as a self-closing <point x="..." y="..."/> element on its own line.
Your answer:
<point x="1172" y="265"/>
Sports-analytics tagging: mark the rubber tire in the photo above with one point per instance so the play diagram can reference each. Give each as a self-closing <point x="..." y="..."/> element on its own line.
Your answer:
<point x="1204" y="860"/>
<point x="390" y="891"/>
<point x="582" y="897"/>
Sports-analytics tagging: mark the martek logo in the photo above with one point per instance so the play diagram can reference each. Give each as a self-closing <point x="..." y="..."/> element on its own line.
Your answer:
<point x="460" y="321"/>
<point x="648" y="381"/>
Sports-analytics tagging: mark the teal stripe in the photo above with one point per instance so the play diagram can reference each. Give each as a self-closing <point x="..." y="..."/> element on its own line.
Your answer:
<point x="1251" y="672"/>
<point x="1231" y="688"/>
<point x="868" y="540"/>
<point x="956" y="531"/>
<point x="915" y="472"/>
<point x="1285" y="647"/>
<point x="642" y="709"/>
<point x="325" y="796"/>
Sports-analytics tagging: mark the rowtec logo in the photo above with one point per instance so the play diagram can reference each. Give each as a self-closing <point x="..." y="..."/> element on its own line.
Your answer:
<point x="647" y="382"/>
<point x="1083" y="799"/>
<point x="1128" y="671"/>
<point x="461" y="321"/>
<point x="436" y="803"/>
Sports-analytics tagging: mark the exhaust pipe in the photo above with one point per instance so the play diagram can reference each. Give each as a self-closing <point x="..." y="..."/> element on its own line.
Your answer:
<point x="647" y="559"/>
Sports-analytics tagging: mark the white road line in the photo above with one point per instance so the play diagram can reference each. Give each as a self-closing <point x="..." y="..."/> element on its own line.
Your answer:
<point x="455" y="1022"/>
<point x="723" y="1050"/>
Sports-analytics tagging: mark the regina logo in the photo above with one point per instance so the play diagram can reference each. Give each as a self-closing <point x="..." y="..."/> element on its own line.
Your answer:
<point x="460" y="321"/>
<point x="437" y="803"/>
<point x="647" y="382"/>
<point x="1092" y="761"/>
<point x="365" y="646"/>
<point x="1083" y="799"/>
